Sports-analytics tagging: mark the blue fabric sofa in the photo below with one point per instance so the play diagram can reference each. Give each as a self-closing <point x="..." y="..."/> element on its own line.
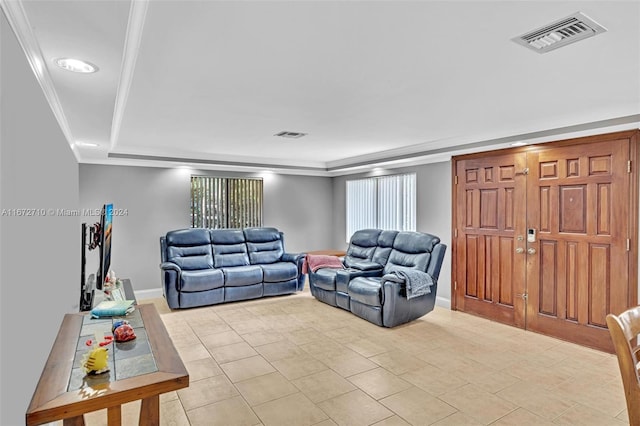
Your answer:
<point x="207" y="266"/>
<point x="388" y="277"/>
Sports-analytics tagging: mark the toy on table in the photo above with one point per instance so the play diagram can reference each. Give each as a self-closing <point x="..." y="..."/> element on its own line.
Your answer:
<point x="122" y="331"/>
<point x="96" y="361"/>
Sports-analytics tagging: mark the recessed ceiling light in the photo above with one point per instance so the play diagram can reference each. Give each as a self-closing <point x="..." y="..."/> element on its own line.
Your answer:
<point x="76" y="65"/>
<point x="518" y="144"/>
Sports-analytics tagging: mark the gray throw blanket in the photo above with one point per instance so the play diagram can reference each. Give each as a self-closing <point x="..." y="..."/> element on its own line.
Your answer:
<point x="418" y="283"/>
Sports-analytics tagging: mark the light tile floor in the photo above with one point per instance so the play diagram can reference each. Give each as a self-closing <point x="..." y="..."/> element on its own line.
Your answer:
<point x="293" y="360"/>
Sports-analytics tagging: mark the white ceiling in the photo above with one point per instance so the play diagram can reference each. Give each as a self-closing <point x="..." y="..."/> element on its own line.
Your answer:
<point x="371" y="82"/>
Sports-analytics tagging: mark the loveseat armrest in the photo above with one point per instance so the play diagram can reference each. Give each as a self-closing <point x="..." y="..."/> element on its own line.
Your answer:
<point x="397" y="309"/>
<point x="366" y="265"/>
<point x="394" y="278"/>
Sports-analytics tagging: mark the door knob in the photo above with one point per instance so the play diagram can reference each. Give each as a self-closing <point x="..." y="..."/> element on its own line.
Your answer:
<point x="531" y="250"/>
<point x="519" y="250"/>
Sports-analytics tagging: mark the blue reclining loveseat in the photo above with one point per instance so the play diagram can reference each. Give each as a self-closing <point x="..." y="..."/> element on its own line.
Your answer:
<point x="388" y="277"/>
<point x="207" y="266"/>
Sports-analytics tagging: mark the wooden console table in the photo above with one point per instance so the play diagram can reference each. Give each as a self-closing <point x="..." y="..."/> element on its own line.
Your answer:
<point x="143" y="369"/>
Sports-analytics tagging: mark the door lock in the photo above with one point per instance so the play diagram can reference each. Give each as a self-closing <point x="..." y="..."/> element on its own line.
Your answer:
<point x="531" y="235"/>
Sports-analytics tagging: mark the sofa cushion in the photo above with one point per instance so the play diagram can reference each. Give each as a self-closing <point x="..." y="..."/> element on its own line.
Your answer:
<point x="367" y="290"/>
<point x="205" y="279"/>
<point x="191" y="258"/>
<point x="238" y="276"/>
<point x="188" y="237"/>
<point x="267" y="252"/>
<point x="265" y="245"/>
<point x="230" y="255"/>
<point x="226" y="236"/>
<point x="229" y="248"/>
<point x="190" y="249"/>
<point x="280" y="271"/>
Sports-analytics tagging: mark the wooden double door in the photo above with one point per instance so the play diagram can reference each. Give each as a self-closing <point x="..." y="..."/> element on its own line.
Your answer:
<point x="545" y="237"/>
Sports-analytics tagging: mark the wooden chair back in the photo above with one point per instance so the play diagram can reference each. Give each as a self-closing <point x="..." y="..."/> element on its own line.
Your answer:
<point x="625" y="332"/>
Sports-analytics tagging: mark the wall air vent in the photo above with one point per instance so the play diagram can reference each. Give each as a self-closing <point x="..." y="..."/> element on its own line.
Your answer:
<point x="290" y="135"/>
<point x="565" y="31"/>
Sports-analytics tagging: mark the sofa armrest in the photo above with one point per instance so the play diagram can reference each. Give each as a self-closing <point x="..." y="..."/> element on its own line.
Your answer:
<point x="170" y="273"/>
<point x="170" y="266"/>
<point x="293" y="257"/>
<point x="298" y="259"/>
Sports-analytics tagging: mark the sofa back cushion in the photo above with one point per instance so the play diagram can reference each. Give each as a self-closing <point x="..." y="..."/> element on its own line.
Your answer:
<point x="229" y="248"/>
<point x="411" y="250"/>
<point x="190" y="249"/>
<point x="265" y="245"/>
<point x="362" y="246"/>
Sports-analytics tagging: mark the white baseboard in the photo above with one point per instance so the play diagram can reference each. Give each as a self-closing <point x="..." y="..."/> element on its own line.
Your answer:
<point x="443" y="303"/>
<point x="153" y="293"/>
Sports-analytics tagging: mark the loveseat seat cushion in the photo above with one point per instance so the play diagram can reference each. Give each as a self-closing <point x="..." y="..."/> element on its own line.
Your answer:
<point x="367" y="290"/>
<point x="201" y="280"/>
<point x="279" y="271"/>
<point x="238" y="276"/>
<point x="264" y="245"/>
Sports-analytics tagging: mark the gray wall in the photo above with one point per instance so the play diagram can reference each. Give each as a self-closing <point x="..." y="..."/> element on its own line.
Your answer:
<point x="433" y="212"/>
<point x="156" y="200"/>
<point x="39" y="256"/>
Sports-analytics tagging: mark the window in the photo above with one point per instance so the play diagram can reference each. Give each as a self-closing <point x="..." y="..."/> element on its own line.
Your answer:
<point x="386" y="202"/>
<point x="225" y="202"/>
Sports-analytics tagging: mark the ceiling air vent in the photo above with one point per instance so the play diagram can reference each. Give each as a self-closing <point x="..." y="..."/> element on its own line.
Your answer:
<point x="573" y="28"/>
<point x="291" y="135"/>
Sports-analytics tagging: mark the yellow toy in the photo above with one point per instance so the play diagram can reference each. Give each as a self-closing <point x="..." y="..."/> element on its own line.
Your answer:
<point x="96" y="360"/>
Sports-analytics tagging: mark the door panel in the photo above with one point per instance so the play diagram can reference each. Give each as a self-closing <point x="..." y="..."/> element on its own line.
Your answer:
<point x="491" y="273"/>
<point x="579" y="272"/>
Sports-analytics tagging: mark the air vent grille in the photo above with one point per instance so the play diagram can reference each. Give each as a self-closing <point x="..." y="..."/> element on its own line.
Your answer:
<point x="560" y="33"/>
<point x="290" y="135"/>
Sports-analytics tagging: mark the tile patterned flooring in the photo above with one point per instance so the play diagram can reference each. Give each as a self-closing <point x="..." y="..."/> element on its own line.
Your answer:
<point x="293" y="360"/>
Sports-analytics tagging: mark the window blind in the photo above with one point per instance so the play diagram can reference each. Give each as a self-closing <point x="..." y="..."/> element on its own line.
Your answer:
<point x="386" y="202"/>
<point x="218" y="202"/>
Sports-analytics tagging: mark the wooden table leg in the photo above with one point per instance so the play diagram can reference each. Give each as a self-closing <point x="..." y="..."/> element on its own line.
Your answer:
<point x="74" y="421"/>
<point x="150" y="411"/>
<point x="114" y="416"/>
